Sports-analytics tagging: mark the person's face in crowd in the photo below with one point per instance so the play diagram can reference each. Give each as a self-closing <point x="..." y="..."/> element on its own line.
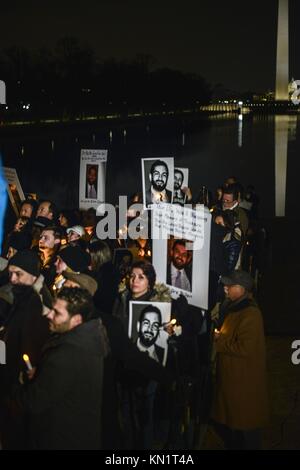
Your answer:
<point x="63" y="220"/>
<point x="47" y="240"/>
<point x="59" y="318"/>
<point x="234" y="292"/>
<point x="227" y="201"/>
<point x="180" y="256"/>
<point x="159" y="177"/>
<point x="11" y="252"/>
<point x="19" y="277"/>
<point x="178" y="180"/>
<point x="44" y="210"/>
<point x="26" y="210"/>
<point x="60" y="265"/>
<point x="138" y="283"/>
<point x="72" y="236"/>
<point x="19" y="224"/>
<point x="149" y="329"/>
<point x="92" y="176"/>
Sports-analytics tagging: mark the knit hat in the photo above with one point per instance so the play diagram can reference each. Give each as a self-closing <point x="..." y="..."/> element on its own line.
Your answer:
<point x="77" y="229"/>
<point x="20" y="240"/>
<point x="26" y="260"/>
<point x="83" y="280"/>
<point x="75" y="258"/>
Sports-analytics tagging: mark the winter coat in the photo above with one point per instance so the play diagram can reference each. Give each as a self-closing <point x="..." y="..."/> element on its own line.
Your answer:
<point x="25" y="331"/>
<point x="124" y="351"/>
<point x="64" y="400"/>
<point x="241" y="392"/>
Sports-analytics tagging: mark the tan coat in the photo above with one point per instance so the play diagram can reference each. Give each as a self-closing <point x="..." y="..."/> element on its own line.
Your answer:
<point x="241" y="392"/>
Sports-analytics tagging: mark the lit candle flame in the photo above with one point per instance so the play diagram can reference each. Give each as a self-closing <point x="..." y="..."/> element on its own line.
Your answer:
<point x="27" y="361"/>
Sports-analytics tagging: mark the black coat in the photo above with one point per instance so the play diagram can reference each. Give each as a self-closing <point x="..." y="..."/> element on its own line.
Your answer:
<point x="122" y="351"/>
<point x="25" y="331"/>
<point x="64" y="400"/>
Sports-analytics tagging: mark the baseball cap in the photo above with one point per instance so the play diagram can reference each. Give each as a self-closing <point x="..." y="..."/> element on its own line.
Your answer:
<point x="83" y="280"/>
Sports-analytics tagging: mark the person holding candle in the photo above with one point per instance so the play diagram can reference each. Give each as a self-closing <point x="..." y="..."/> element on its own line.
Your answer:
<point x="64" y="400"/>
<point x="25" y="330"/>
<point x="240" y="407"/>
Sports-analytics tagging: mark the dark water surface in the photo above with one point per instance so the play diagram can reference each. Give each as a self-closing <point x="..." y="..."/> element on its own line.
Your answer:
<point x="47" y="159"/>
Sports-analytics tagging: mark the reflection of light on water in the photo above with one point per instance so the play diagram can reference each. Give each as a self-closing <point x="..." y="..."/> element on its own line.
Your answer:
<point x="124" y="135"/>
<point x="22" y="150"/>
<point x="240" y="130"/>
<point x="183" y="139"/>
<point x="52" y="145"/>
<point x="110" y="136"/>
<point x="94" y="138"/>
<point x="284" y="128"/>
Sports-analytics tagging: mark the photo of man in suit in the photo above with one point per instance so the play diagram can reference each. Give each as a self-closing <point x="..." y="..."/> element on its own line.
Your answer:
<point x="158" y="177"/>
<point x="148" y="326"/>
<point x="179" y="268"/>
<point x="179" y="196"/>
<point x="91" y="182"/>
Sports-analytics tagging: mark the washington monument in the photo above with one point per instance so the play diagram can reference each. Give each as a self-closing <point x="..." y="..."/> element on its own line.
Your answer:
<point x="282" y="62"/>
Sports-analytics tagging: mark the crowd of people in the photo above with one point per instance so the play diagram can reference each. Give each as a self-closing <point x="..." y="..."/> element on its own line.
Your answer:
<point x="84" y="384"/>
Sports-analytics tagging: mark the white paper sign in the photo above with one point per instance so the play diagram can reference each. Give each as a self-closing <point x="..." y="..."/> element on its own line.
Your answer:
<point x="14" y="188"/>
<point x="147" y="328"/>
<point x="181" y="244"/>
<point x="92" y="178"/>
<point x="158" y="176"/>
<point x="181" y="180"/>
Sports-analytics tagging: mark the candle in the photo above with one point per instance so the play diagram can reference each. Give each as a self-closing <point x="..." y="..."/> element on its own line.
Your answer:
<point x="27" y="361"/>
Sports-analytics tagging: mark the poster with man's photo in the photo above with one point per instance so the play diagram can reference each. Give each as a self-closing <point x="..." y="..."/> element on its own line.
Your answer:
<point x="181" y="180"/>
<point x="158" y="177"/>
<point x="180" y="250"/>
<point x="147" y="328"/>
<point x="14" y="189"/>
<point x="92" y="178"/>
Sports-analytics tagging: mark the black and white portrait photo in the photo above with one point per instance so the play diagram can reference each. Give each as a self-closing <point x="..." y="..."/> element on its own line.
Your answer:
<point x="181" y="176"/>
<point x="180" y="264"/>
<point x="147" y="323"/>
<point x="91" y="187"/>
<point x="92" y="178"/>
<point x="158" y="176"/>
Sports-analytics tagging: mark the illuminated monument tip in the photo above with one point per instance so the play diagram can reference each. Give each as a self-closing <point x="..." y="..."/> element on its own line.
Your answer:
<point x="282" y="62"/>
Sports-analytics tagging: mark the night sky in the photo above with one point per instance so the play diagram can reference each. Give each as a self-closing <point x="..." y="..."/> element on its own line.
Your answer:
<point x="230" y="42"/>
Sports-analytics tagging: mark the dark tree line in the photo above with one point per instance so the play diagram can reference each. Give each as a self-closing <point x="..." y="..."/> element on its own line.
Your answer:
<point x="72" y="79"/>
